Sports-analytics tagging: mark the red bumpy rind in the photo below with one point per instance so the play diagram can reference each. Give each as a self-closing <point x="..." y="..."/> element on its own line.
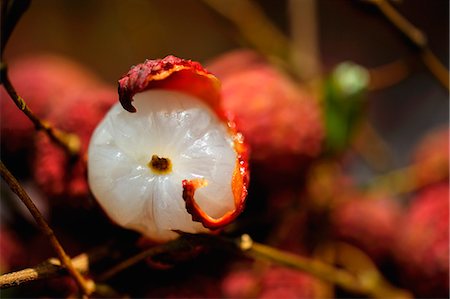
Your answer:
<point x="170" y="73"/>
<point x="173" y="73"/>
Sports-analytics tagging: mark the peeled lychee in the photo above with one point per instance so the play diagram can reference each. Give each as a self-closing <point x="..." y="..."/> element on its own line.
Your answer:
<point x="165" y="159"/>
<point x="422" y="244"/>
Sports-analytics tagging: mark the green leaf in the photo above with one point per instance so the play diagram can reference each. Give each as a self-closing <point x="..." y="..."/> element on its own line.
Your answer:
<point x="344" y="98"/>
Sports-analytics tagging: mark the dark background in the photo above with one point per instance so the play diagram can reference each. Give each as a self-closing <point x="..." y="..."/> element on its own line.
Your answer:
<point x="109" y="36"/>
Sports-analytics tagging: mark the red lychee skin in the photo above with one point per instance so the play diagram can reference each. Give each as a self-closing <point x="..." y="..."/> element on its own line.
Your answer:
<point x="280" y="121"/>
<point x="191" y="286"/>
<point x="42" y="81"/>
<point x="240" y="284"/>
<point x="431" y="157"/>
<point x="422" y="247"/>
<point x="274" y="282"/>
<point x="54" y="171"/>
<point x="368" y="223"/>
<point x="234" y="62"/>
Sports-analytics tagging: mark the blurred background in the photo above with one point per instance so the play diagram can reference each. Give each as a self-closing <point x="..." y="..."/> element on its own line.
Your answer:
<point x="110" y="36"/>
<point x="351" y="65"/>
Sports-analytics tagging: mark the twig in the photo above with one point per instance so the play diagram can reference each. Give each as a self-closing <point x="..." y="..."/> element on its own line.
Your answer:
<point x="257" y="30"/>
<point x="69" y="142"/>
<point x="371" y="146"/>
<point x="44" y="227"/>
<point x="417" y="37"/>
<point x="180" y="244"/>
<point x="10" y="15"/>
<point x="388" y="74"/>
<point x="258" y="251"/>
<point x="48" y="269"/>
<point x="305" y="38"/>
<point x="326" y="272"/>
<point x="404" y="180"/>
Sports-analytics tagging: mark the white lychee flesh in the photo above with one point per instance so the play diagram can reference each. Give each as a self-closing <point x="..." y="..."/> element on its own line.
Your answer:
<point x="174" y="126"/>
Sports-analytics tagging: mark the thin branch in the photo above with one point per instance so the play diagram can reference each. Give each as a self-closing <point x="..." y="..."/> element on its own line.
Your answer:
<point x="48" y="269"/>
<point x="305" y="38"/>
<point x="404" y="180"/>
<point x="10" y="15"/>
<point x="326" y="272"/>
<point x="255" y="28"/>
<point x="69" y="142"/>
<point x="181" y="244"/>
<point x="417" y="37"/>
<point x="389" y="74"/>
<point x="245" y="245"/>
<point x="45" y="228"/>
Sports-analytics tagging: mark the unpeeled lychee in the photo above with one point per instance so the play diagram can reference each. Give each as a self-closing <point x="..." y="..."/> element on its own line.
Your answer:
<point x="281" y="121"/>
<point x="43" y="81"/>
<point x="368" y="223"/>
<point x="273" y="282"/>
<point x="422" y="244"/>
<point x="59" y="175"/>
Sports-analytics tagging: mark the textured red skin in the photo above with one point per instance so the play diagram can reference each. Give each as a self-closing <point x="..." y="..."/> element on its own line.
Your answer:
<point x="422" y="247"/>
<point x="173" y="73"/>
<point x="55" y="173"/>
<point x="234" y="62"/>
<point x="281" y="122"/>
<point x="43" y="81"/>
<point x="170" y="73"/>
<point x="274" y="282"/>
<point x="368" y="223"/>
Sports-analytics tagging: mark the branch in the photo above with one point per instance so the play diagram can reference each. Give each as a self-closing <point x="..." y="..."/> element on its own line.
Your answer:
<point x="10" y="15"/>
<point x="257" y="30"/>
<point x="69" y="142"/>
<point x="245" y="245"/>
<point x="48" y="269"/>
<point x="44" y="227"/>
<point x="417" y="37"/>
<point x="319" y="269"/>
<point x="305" y="38"/>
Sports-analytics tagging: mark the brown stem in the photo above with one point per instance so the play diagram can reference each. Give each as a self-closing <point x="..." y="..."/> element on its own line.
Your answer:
<point x="389" y="74"/>
<point x="44" y="227"/>
<point x="305" y="38"/>
<point x="256" y="30"/>
<point x="48" y="269"/>
<point x="180" y="244"/>
<point x="417" y="37"/>
<point x="326" y="272"/>
<point x="69" y="142"/>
